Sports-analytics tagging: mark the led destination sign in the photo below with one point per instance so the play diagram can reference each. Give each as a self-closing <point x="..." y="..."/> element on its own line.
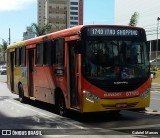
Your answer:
<point x="99" y="31"/>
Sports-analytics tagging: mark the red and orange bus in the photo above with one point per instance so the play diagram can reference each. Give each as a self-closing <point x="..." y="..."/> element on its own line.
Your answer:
<point x="88" y="68"/>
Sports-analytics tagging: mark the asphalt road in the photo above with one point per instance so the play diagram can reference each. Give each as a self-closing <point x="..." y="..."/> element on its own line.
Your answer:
<point x="36" y="115"/>
<point x="155" y="98"/>
<point x="155" y="101"/>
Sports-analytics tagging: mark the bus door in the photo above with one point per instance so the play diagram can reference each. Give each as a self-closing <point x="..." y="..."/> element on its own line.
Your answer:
<point x="73" y="76"/>
<point x="31" y="71"/>
<point x="12" y="70"/>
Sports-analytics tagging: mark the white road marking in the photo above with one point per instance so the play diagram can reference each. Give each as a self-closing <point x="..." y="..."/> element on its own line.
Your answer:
<point x="155" y="92"/>
<point x="155" y="99"/>
<point x="35" y="118"/>
<point x="47" y="116"/>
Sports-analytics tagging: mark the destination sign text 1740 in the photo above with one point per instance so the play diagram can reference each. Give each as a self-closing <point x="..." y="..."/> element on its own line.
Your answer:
<point x="112" y="32"/>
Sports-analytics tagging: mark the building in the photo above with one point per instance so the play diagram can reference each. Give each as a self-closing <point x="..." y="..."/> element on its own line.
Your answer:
<point x="149" y="11"/>
<point x="28" y="34"/>
<point x="76" y="13"/>
<point x="41" y="12"/>
<point x="80" y="12"/>
<point x="60" y="14"/>
<point x="56" y="14"/>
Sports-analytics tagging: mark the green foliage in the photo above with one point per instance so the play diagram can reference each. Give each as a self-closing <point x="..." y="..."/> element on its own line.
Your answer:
<point x="134" y="19"/>
<point x="3" y="46"/>
<point x="154" y="68"/>
<point x="40" y="30"/>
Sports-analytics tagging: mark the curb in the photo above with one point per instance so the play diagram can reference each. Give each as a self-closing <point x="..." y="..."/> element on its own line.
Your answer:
<point x="152" y="112"/>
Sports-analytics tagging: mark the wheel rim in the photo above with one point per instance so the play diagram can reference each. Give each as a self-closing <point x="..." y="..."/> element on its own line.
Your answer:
<point x="62" y="106"/>
<point x="21" y="96"/>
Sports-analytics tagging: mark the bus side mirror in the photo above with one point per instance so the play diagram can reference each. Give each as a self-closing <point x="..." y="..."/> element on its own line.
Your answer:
<point x="78" y="47"/>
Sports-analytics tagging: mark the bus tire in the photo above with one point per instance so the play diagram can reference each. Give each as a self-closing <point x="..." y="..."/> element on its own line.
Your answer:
<point x="61" y="105"/>
<point x="139" y="109"/>
<point x="115" y="112"/>
<point x="21" y="93"/>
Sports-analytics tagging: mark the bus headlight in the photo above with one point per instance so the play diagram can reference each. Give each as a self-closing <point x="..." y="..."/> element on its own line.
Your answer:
<point x="144" y="94"/>
<point x="91" y="97"/>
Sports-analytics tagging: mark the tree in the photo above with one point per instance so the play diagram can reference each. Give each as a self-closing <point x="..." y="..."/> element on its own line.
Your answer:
<point x="40" y="30"/>
<point x="3" y="48"/>
<point x="134" y="19"/>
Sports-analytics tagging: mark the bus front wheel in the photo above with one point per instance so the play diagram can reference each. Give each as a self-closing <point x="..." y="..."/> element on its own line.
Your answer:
<point x="61" y="105"/>
<point x="21" y="94"/>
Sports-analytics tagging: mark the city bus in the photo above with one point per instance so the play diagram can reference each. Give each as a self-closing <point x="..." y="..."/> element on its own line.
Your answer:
<point x="87" y="68"/>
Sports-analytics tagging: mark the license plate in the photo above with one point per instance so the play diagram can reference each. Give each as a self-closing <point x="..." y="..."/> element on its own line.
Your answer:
<point x="121" y="105"/>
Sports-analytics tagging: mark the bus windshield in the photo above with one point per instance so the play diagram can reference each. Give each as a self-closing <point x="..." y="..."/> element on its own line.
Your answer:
<point x="115" y="59"/>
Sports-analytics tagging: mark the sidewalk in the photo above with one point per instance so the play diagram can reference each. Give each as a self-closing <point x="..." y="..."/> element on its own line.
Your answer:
<point x="155" y="87"/>
<point x="3" y="78"/>
<point x="155" y="84"/>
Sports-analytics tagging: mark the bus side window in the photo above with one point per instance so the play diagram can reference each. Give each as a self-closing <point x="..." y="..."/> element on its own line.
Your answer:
<point x="39" y="54"/>
<point x="17" y="56"/>
<point x="48" y="53"/>
<point x="20" y="54"/>
<point x="23" y="56"/>
<point x="59" y="51"/>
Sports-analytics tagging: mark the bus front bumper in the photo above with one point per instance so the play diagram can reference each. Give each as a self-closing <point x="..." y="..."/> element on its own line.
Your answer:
<point x="115" y="104"/>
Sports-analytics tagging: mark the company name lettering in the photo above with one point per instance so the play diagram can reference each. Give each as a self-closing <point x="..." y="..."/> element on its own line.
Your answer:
<point x="119" y="82"/>
<point x="113" y="94"/>
<point x="118" y="94"/>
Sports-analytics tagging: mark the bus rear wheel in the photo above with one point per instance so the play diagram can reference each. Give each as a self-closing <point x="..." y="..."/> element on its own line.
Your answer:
<point x="21" y="93"/>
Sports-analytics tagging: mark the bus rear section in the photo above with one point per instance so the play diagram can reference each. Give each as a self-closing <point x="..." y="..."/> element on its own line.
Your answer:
<point x="115" y="69"/>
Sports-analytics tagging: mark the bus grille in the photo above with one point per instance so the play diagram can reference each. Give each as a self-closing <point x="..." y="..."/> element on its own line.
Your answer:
<point x="111" y="87"/>
<point x="129" y="105"/>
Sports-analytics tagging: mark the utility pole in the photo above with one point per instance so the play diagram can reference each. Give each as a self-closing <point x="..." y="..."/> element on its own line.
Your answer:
<point x="66" y="20"/>
<point x="9" y="36"/>
<point x="157" y="39"/>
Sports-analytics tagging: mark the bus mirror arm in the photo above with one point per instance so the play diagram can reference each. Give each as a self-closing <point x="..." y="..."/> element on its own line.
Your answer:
<point x="148" y="45"/>
<point x="78" y="47"/>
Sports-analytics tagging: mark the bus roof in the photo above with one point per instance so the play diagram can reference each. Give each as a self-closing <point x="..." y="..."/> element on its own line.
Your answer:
<point x="66" y="32"/>
<point x="61" y="33"/>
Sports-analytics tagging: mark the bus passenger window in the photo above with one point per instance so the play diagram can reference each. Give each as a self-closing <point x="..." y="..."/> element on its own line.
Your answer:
<point x="59" y="45"/>
<point x="18" y="57"/>
<point x="23" y="56"/>
<point x="39" y="54"/>
<point x="48" y="53"/>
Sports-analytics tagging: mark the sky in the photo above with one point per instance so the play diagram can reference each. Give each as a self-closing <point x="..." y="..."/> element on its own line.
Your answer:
<point x="18" y="14"/>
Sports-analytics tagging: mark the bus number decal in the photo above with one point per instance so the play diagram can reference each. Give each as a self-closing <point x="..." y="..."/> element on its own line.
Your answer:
<point x="132" y="93"/>
<point x="97" y="31"/>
